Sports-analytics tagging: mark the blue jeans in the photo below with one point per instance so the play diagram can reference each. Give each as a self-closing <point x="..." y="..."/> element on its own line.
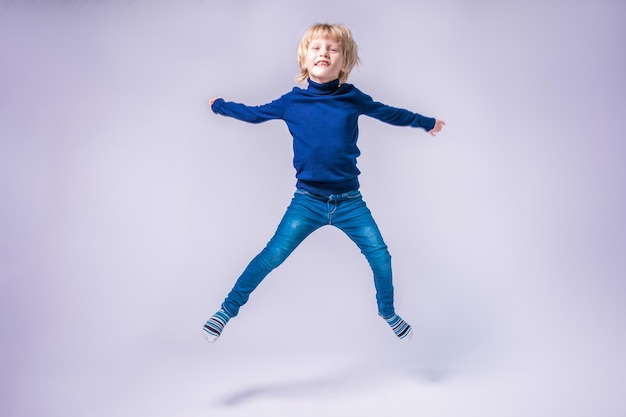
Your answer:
<point x="307" y="213"/>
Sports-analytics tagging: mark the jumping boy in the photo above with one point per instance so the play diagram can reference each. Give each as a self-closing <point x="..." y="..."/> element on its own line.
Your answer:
<point x="323" y="122"/>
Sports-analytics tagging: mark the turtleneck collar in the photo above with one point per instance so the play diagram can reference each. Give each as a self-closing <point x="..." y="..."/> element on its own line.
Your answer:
<point x="326" y="88"/>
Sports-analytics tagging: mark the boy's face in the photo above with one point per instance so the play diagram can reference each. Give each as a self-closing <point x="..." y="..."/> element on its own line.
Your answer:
<point x="324" y="60"/>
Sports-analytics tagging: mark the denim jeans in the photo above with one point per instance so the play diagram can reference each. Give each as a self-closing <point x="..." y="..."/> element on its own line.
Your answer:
<point x="307" y="213"/>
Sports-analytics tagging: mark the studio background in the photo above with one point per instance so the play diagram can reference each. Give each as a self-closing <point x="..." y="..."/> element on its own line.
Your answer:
<point x="129" y="209"/>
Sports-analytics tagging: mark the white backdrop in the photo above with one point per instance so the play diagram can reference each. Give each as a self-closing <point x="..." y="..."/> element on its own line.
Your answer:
<point x="129" y="209"/>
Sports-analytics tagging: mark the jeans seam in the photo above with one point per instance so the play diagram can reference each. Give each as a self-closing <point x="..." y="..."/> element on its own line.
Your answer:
<point x="331" y="212"/>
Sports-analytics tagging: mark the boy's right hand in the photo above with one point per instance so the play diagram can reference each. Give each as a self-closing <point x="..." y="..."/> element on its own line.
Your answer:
<point x="212" y="100"/>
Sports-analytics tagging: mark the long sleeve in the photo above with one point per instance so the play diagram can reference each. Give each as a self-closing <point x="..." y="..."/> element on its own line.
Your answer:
<point x="394" y="115"/>
<point x="251" y="114"/>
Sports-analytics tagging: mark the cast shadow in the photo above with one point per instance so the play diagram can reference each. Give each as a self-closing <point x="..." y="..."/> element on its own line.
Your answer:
<point x="307" y="387"/>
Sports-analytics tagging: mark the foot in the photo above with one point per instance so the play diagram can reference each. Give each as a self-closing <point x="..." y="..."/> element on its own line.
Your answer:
<point x="215" y="325"/>
<point x="401" y="328"/>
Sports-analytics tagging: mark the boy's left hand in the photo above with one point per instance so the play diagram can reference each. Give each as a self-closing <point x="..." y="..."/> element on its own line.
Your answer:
<point x="438" y="126"/>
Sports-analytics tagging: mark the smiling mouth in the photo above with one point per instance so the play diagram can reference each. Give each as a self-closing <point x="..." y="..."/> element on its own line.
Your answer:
<point x="322" y="64"/>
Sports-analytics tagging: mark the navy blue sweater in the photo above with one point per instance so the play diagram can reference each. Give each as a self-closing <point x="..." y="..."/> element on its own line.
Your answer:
<point x="323" y="122"/>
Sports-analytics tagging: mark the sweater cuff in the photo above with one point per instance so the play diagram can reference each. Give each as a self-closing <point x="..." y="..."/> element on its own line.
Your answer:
<point x="217" y="104"/>
<point x="427" y="123"/>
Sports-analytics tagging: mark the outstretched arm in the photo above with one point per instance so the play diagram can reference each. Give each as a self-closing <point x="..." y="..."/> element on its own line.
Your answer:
<point x="252" y="114"/>
<point x="398" y="116"/>
<point x="439" y="124"/>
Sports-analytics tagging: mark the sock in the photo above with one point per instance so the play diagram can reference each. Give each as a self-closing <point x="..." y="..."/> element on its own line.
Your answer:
<point x="401" y="328"/>
<point x="215" y="325"/>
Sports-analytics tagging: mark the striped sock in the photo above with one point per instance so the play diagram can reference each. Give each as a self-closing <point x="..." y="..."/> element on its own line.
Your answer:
<point x="215" y="325"/>
<point x="401" y="328"/>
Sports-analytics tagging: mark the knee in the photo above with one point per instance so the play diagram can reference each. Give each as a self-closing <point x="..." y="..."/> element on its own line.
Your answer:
<point x="376" y="248"/>
<point x="274" y="254"/>
<point x="378" y="257"/>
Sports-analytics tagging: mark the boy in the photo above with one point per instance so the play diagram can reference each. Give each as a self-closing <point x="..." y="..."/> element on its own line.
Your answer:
<point x="323" y="122"/>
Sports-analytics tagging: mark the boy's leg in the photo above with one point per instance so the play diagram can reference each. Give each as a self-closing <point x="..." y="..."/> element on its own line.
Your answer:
<point x="300" y="220"/>
<point x="354" y="218"/>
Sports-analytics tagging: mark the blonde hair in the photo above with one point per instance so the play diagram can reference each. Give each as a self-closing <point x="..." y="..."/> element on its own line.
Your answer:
<point x="337" y="33"/>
